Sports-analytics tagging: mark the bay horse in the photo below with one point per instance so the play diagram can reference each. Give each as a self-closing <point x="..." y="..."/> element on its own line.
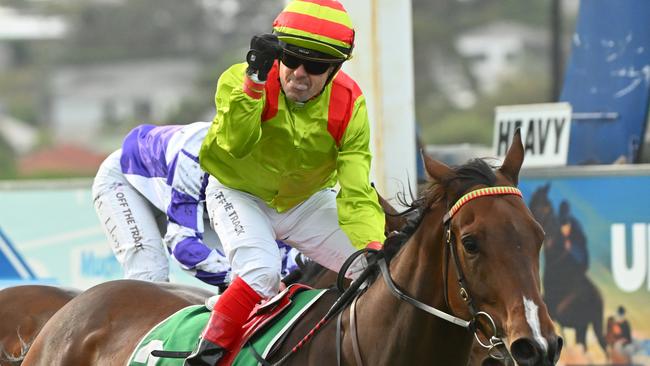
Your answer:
<point x="24" y="310"/>
<point x="573" y="300"/>
<point x="476" y="270"/>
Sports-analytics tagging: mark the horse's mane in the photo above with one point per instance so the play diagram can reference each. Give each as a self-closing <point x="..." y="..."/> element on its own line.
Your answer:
<point x="474" y="172"/>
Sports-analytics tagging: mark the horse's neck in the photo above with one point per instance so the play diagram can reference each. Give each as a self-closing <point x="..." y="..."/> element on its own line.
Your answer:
<point x="411" y="336"/>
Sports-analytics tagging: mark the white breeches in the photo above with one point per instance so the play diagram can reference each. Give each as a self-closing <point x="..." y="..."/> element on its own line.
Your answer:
<point x="134" y="227"/>
<point x="248" y="228"/>
<point x="132" y="224"/>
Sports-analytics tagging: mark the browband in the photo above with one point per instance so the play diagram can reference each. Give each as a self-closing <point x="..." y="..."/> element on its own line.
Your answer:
<point x="481" y="192"/>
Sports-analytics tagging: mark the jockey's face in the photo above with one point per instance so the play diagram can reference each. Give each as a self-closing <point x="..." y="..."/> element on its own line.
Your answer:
<point x="299" y="85"/>
<point x="566" y="229"/>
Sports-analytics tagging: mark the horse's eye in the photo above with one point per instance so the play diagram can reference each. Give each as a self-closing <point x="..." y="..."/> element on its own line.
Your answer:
<point x="470" y="244"/>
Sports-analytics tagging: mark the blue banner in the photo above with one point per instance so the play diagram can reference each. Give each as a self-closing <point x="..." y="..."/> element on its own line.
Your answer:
<point x="53" y="236"/>
<point x="609" y="72"/>
<point x="596" y="270"/>
<point x="12" y="264"/>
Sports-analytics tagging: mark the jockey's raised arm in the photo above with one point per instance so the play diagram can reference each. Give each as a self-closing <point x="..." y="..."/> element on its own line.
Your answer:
<point x="290" y="125"/>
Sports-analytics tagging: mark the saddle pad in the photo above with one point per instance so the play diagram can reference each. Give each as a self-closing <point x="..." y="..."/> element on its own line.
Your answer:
<point x="180" y="332"/>
<point x="263" y="342"/>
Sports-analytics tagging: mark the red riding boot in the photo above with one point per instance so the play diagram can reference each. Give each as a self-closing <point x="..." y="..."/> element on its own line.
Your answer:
<point x="224" y="327"/>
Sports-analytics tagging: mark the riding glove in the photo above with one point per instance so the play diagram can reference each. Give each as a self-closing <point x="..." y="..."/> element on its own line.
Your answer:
<point x="264" y="50"/>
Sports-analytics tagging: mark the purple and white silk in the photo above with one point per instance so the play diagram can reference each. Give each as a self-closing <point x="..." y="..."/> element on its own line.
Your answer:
<point x="155" y="184"/>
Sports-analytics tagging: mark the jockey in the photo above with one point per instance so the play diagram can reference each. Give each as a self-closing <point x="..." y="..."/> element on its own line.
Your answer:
<point x="154" y="184"/>
<point x="290" y="125"/>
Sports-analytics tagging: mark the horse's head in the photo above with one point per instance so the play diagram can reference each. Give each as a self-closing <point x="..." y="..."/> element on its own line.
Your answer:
<point x="491" y="260"/>
<point x="541" y="206"/>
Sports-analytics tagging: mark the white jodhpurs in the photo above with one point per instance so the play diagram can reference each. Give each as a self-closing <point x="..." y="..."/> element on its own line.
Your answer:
<point x="131" y="223"/>
<point x="248" y="228"/>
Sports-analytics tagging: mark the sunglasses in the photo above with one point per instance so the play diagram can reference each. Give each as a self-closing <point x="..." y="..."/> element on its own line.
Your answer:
<point x="312" y="67"/>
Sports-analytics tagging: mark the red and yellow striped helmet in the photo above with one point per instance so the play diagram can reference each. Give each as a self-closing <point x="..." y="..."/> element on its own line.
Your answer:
<point x="323" y="26"/>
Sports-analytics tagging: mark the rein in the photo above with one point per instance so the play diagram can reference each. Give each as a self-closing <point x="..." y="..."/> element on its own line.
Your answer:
<point x="349" y="297"/>
<point x="450" y="249"/>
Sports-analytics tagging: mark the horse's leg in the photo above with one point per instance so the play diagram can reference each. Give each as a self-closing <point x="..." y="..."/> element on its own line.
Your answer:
<point x="581" y="336"/>
<point x="597" y="325"/>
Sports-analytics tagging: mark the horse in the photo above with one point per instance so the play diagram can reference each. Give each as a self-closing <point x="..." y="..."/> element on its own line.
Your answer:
<point x="318" y="276"/>
<point x="572" y="298"/>
<point x="24" y="310"/>
<point x="475" y="272"/>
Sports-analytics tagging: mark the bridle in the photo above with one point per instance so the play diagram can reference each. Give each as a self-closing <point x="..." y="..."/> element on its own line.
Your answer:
<point x="358" y="287"/>
<point x="494" y="341"/>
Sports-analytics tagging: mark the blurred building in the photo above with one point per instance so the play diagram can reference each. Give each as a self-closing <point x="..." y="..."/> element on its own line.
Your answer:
<point x="60" y="161"/>
<point x="89" y="100"/>
<point x="18" y="29"/>
<point x="20" y="136"/>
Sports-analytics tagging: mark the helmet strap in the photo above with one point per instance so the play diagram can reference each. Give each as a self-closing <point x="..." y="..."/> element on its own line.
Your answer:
<point x="331" y="76"/>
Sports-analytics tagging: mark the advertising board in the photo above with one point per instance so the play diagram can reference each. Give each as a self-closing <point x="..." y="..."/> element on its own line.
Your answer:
<point x="596" y="275"/>
<point x="55" y="232"/>
<point x="545" y="130"/>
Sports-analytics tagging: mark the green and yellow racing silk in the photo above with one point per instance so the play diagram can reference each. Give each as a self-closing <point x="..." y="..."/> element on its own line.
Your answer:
<point x="283" y="152"/>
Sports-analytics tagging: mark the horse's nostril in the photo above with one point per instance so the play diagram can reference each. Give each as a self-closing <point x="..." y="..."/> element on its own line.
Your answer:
<point x="524" y="351"/>
<point x="554" y="352"/>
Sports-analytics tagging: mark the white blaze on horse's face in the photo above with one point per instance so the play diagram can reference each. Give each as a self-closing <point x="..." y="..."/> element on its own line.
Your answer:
<point x="532" y="316"/>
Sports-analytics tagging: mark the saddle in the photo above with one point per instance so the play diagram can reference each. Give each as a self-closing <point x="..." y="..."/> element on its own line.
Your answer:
<point x="263" y="315"/>
<point x="266" y="325"/>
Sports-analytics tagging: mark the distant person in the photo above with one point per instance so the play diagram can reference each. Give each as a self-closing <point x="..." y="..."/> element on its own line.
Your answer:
<point x="624" y="325"/>
<point x="619" y="338"/>
<point x="573" y="238"/>
<point x="150" y="199"/>
<point x="612" y="330"/>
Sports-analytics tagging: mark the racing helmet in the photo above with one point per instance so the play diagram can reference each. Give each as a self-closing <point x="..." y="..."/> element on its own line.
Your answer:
<point x="319" y="30"/>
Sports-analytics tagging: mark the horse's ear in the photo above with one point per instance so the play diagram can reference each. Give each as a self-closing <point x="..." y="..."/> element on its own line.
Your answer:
<point x="514" y="159"/>
<point x="394" y="221"/>
<point x="388" y="208"/>
<point x="436" y="169"/>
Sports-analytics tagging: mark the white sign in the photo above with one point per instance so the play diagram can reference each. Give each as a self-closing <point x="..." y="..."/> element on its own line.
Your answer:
<point x="544" y="132"/>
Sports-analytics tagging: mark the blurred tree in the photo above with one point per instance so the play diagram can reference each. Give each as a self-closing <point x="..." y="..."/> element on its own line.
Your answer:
<point x="108" y="31"/>
<point x="217" y="32"/>
<point x="436" y="25"/>
<point x="20" y="93"/>
<point x="7" y="160"/>
<point x="475" y="125"/>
